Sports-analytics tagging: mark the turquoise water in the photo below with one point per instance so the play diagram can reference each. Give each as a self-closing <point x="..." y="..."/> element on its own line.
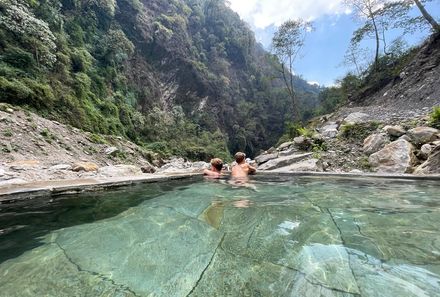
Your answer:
<point x="281" y="236"/>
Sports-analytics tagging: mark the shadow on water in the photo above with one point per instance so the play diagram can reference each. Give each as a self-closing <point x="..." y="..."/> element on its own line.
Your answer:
<point x="23" y="224"/>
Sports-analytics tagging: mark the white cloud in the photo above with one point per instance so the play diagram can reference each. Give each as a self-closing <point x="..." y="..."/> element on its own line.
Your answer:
<point x="264" y="13"/>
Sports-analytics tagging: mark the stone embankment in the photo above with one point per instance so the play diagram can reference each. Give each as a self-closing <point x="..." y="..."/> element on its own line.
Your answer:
<point x="358" y="142"/>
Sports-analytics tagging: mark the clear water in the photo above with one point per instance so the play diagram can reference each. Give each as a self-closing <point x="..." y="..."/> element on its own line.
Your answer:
<point x="283" y="236"/>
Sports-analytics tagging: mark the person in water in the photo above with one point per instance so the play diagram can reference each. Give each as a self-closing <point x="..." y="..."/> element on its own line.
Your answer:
<point x="216" y="168"/>
<point x="242" y="169"/>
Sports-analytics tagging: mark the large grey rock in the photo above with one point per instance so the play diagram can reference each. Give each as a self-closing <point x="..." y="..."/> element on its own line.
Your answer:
<point x="111" y="151"/>
<point x="179" y="165"/>
<point x="432" y="165"/>
<point x="422" y="135"/>
<point x="396" y="157"/>
<point x="265" y="157"/>
<point x="311" y="165"/>
<point x="356" y="118"/>
<point x="119" y="171"/>
<point x="283" y="161"/>
<point x="302" y="142"/>
<point x="288" y="152"/>
<point x="285" y="145"/>
<point x="425" y="151"/>
<point x="330" y="130"/>
<point x="395" y="131"/>
<point x="374" y="143"/>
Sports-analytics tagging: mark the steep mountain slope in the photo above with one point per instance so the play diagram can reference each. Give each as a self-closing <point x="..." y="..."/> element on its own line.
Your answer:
<point x="416" y="86"/>
<point x="184" y="77"/>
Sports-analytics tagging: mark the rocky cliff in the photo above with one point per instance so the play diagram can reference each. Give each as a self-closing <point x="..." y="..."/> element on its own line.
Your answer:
<point x="387" y="131"/>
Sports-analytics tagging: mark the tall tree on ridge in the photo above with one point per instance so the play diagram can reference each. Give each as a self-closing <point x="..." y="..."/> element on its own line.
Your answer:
<point x="287" y="43"/>
<point x="369" y="10"/>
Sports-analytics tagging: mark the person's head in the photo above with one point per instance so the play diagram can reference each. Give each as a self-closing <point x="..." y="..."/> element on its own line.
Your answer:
<point x="217" y="164"/>
<point x="240" y="157"/>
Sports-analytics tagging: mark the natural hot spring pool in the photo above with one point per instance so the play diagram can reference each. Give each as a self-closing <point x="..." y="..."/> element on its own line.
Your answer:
<point x="290" y="236"/>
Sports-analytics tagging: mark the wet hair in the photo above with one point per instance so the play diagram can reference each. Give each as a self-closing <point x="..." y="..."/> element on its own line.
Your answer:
<point x="240" y="157"/>
<point x="217" y="163"/>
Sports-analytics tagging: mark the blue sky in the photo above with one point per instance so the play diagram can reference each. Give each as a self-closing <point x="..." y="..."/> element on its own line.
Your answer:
<point x="322" y="57"/>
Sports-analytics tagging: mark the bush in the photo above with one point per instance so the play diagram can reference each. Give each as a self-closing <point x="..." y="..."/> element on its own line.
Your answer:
<point x="434" y="120"/>
<point x="358" y="131"/>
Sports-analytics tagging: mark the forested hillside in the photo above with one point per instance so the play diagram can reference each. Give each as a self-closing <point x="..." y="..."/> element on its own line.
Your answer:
<point x="183" y="77"/>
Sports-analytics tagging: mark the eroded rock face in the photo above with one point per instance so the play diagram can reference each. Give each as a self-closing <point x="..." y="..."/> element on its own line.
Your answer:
<point x="396" y="157"/>
<point x="374" y="143"/>
<point x="283" y="161"/>
<point x="357" y="117"/>
<point x="422" y="135"/>
<point x="432" y="165"/>
<point x="395" y="131"/>
<point x="85" y="166"/>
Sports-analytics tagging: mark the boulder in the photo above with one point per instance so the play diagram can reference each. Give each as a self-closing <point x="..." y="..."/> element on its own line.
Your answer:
<point x="119" y="171"/>
<point x="374" y="143"/>
<point x="283" y="161"/>
<point x="85" y="166"/>
<point x="285" y="145"/>
<point x="330" y="130"/>
<point x="356" y="118"/>
<point x="148" y="169"/>
<point x="317" y="137"/>
<point x="422" y="135"/>
<point x="111" y="151"/>
<point x="311" y="165"/>
<point x="288" y="152"/>
<point x="394" y="131"/>
<point x="271" y="150"/>
<point x="432" y="165"/>
<point x="265" y="157"/>
<point x="425" y="151"/>
<point x="396" y="157"/>
<point x="302" y="142"/>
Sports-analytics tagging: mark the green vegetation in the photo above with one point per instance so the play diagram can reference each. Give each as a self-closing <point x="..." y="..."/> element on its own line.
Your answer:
<point x="190" y="81"/>
<point x="434" y="120"/>
<point x="8" y="133"/>
<point x="358" y="131"/>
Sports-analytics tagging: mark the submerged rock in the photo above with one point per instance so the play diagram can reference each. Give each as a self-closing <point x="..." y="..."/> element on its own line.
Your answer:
<point x="396" y="157"/>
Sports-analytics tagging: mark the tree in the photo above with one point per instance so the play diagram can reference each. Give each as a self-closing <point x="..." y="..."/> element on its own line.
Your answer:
<point x="287" y="43"/>
<point x="368" y="10"/>
<point x="435" y="26"/>
<point x="398" y="11"/>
